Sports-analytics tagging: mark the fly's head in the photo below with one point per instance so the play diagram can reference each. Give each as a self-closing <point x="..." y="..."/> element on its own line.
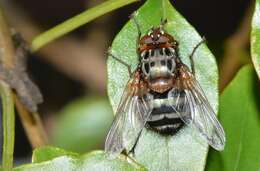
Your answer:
<point x="156" y="38"/>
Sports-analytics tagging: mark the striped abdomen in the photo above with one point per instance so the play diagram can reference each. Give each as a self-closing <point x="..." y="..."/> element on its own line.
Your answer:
<point x="164" y="118"/>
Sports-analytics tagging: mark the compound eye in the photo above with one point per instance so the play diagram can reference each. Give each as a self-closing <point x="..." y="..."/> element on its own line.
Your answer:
<point x="148" y="40"/>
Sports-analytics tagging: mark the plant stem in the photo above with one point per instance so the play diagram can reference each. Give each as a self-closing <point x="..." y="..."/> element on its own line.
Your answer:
<point x="77" y="21"/>
<point x="6" y="43"/>
<point x="8" y="63"/>
<point x="8" y="125"/>
<point x="32" y="125"/>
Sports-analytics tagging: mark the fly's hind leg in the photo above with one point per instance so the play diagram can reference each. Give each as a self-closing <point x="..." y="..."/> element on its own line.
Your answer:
<point x="132" y="151"/>
<point x="193" y="52"/>
<point x="109" y="53"/>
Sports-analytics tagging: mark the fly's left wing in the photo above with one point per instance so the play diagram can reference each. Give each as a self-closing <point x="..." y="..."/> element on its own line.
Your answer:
<point x="131" y="116"/>
<point x="193" y="108"/>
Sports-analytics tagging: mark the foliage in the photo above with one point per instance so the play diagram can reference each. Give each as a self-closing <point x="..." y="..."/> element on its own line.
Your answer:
<point x="239" y="114"/>
<point x="239" y="106"/>
<point x="50" y="159"/>
<point x="255" y="38"/>
<point x="77" y="21"/>
<point x="183" y="152"/>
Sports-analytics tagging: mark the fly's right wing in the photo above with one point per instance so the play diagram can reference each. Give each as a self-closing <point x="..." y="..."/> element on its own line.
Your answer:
<point x="192" y="106"/>
<point x="131" y="116"/>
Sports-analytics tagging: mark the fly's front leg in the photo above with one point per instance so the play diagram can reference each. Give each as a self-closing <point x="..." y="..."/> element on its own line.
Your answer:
<point x="133" y="16"/>
<point x="109" y="52"/>
<point x="193" y="52"/>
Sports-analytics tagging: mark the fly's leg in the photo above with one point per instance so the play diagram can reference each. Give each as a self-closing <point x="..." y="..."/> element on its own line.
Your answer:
<point x="193" y="52"/>
<point x="109" y="52"/>
<point x="138" y="30"/>
<point x="137" y="44"/>
<point x="133" y="148"/>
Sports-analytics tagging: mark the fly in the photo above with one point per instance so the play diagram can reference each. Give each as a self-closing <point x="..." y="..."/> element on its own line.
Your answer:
<point x="162" y="95"/>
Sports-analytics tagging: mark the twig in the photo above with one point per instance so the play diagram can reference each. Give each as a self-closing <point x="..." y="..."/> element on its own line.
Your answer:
<point x="32" y="124"/>
<point x="8" y="68"/>
<point x="77" y="21"/>
<point x="6" y="45"/>
<point x="80" y="60"/>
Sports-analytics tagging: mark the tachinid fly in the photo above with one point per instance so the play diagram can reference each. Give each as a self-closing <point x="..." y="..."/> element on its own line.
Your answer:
<point x="162" y="94"/>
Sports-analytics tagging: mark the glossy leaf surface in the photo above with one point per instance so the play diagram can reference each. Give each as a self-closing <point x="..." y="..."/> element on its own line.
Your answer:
<point x="240" y="116"/>
<point x="255" y="38"/>
<point x="53" y="159"/>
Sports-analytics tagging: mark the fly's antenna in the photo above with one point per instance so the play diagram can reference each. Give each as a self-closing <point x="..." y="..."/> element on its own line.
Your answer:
<point x="163" y="23"/>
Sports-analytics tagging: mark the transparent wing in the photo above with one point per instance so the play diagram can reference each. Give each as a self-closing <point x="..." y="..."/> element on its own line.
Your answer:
<point x="193" y="107"/>
<point x="130" y="119"/>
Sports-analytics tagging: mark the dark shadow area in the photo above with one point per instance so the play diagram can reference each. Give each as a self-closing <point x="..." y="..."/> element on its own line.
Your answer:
<point x="256" y="92"/>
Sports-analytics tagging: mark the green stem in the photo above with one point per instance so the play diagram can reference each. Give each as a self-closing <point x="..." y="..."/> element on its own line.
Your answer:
<point x="8" y="126"/>
<point x="77" y="21"/>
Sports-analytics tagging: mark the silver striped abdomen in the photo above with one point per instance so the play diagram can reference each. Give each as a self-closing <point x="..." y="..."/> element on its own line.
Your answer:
<point x="164" y="118"/>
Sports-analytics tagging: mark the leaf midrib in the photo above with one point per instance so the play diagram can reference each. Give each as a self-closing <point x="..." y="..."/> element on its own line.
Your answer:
<point x="242" y="133"/>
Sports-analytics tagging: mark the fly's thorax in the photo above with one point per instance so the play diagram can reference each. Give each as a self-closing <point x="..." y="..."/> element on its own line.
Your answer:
<point x="158" y="63"/>
<point x="158" y="66"/>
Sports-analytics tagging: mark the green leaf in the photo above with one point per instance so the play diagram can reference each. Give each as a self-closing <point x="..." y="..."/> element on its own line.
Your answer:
<point x="240" y="116"/>
<point x="68" y="161"/>
<point x="83" y="124"/>
<point x="255" y="38"/>
<point x="48" y="153"/>
<point x="182" y="151"/>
